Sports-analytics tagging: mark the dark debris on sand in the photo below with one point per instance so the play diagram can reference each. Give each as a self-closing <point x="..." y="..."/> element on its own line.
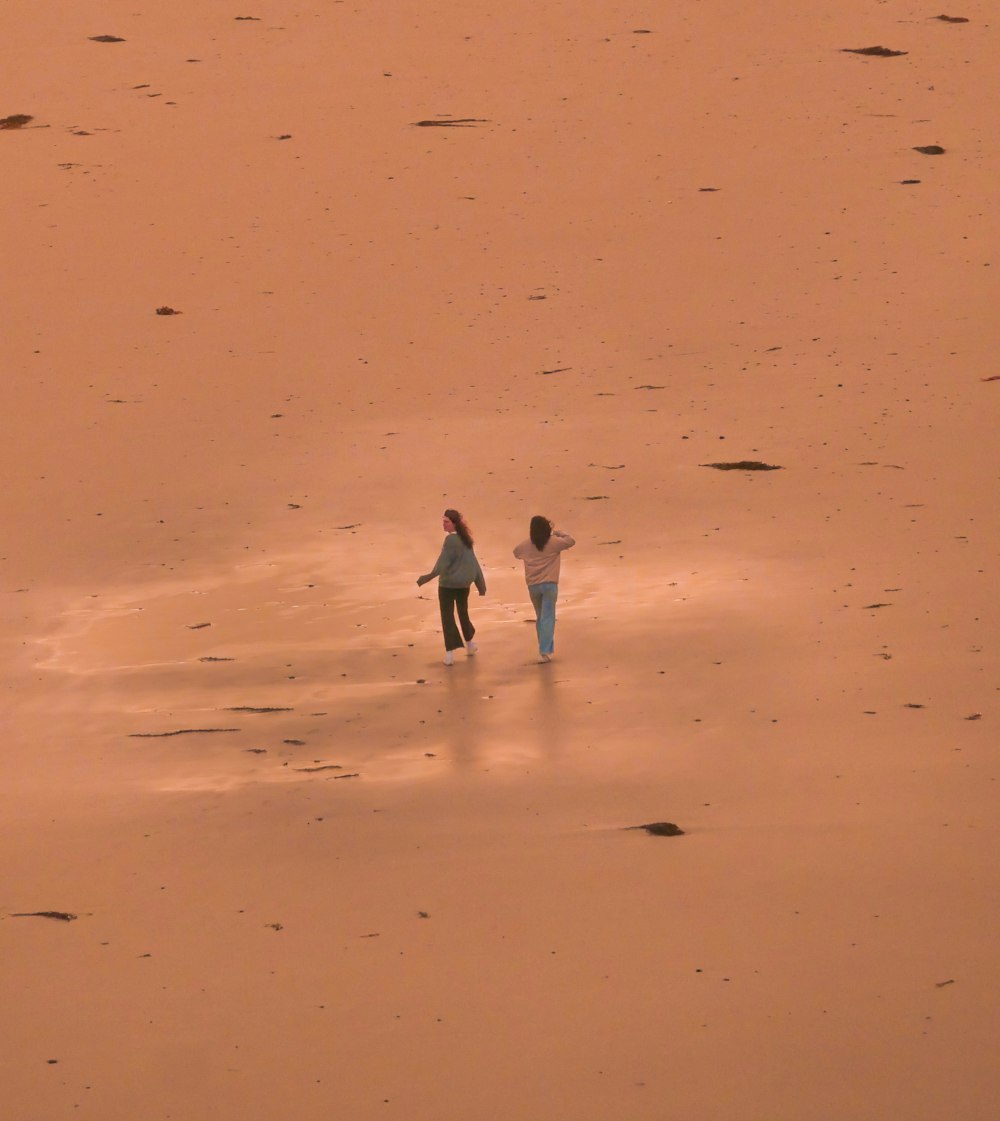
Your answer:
<point x="452" y="122"/>
<point x="744" y="465"/>
<point x="253" y="708"/>
<point x="179" y="732"/>
<point x="873" y="52"/>
<point x="61" y="916"/>
<point x="16" y="120"/>
<point x="660" y="829"/>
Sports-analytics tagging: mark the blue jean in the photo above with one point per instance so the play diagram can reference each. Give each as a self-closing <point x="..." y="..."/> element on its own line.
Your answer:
<point x="543" y="599"/>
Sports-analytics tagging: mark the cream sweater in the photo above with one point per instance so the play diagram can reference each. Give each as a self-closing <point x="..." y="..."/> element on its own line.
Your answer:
<point x="543" y="567"/>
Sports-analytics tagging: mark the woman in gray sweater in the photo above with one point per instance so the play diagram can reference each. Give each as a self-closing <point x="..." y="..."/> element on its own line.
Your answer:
<point x="457" y="569"/>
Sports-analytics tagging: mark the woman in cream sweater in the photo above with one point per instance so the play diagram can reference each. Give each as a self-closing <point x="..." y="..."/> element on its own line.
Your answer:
<point x="541" y="555"/>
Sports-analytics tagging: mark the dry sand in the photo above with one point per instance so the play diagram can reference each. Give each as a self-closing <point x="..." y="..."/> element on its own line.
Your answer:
<point x="668" y="236"/>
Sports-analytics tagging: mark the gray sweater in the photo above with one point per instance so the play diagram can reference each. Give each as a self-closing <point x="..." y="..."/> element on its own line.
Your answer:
<point x="456" y="567"/>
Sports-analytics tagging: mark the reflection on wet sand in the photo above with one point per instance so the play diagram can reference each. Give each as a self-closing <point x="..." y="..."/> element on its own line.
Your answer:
<point x="506" y="723"/>
<point x="320" y="674"/>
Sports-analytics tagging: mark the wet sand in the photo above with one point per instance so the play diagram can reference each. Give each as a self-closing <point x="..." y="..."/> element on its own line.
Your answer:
<point x="314" y="872"/>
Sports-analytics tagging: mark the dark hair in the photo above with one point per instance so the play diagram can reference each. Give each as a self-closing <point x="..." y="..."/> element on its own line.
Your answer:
<point x="461" y="528"/>
<point x="540" y="531"/>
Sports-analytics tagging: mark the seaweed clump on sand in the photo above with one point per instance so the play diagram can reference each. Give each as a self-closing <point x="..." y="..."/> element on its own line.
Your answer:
<point x="660" y="829"/>
<point x="256" y="709"/>
<point x="179" y="732"/>
<point x="60" y="916"/>
<point x="743" y="465"/>
<point x="452" y="122"/>
<point x="16" y="120"/>
<point x="874" y="52"/>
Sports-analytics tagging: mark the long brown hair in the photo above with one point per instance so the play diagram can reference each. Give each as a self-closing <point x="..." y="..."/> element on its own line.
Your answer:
<point x="461" y="527"/>
<point x="540" y="531"/>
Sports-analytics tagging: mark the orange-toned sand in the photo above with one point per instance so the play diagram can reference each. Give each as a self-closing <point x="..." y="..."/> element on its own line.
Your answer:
<point x="667" y="236"/>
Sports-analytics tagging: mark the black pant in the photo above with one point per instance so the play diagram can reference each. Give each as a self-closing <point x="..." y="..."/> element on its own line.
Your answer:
<point x="449" y="599"/>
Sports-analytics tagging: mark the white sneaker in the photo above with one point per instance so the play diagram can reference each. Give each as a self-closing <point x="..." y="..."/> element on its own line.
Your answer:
<point x="545" y="657"/>
<point x="449" y="658"/>
<point x="471" y="648"/>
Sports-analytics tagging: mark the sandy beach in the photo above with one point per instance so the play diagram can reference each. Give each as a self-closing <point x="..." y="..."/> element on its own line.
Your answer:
<point x="282" y="285"/>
